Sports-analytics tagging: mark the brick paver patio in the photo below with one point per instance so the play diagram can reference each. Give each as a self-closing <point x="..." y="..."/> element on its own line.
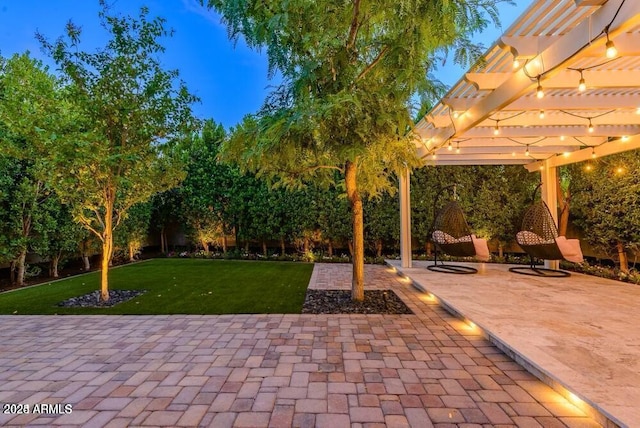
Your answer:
<point x="422" y="370"/>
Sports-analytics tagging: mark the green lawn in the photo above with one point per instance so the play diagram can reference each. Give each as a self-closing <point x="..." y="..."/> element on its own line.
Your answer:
<point x="178" y="286"/>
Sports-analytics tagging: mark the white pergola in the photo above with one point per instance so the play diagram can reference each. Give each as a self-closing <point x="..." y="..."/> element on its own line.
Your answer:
<point x="561" y="85"/>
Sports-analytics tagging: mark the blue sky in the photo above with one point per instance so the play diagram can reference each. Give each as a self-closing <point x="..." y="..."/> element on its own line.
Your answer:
<point x="231" y="80"/>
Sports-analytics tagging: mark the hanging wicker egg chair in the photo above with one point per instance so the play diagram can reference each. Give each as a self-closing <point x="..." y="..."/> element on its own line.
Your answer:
<point x="452" y="235"/>
<point x="538" y="237"/>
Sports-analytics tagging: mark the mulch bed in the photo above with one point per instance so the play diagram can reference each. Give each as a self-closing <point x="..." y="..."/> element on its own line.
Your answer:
<point x="340" y="302"/>
<point x="92" y="300"/>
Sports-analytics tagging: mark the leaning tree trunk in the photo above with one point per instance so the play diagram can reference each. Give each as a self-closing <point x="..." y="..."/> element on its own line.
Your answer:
<point x="622" y="256"/>
<point x="357" y="283"/>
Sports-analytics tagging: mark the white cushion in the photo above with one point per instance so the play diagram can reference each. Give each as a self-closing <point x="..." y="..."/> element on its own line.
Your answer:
<point x="570" y="249"/>
<point x="481" y="247"/>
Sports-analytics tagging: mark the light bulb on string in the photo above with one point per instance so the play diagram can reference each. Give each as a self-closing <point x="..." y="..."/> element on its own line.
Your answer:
<point x="582" y="85"/>
<point x="458" y="148"/>
<point x="539" y="90"/>
<point x="526" y="152"/>
<point x="496" y="129"/>
<point x="611" y="50"/>
<point x="624" y="138"/>
<point x="541" y="114"/>
<point x="593" y="153"/>
<point x="590" y="128"/>
<point x="449" y="147"/>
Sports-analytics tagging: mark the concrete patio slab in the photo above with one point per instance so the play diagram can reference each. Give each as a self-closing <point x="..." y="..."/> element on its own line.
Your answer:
<point x="421" y="370"/>
<point x="576" y="333"/>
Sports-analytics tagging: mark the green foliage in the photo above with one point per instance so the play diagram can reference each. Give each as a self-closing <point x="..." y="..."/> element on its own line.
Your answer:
<point x="206" y="190"/>
<point x="29" y="103"/>
<point x="116" y="145"/>
<point x="132" y="234"/>
<point x="606" y="201"/>
<point x="500" y="198"/>
<point x="350" y="71"/>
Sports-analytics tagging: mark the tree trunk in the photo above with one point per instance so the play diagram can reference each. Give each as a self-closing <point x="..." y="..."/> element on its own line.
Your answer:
<point x="330" y="248"/>
<point x="500" y="249"/>
<point x="107" y="247"/>
<point x="205" y="245"/>
<point x="306" y="245"/>
<point x="53" y="265"/>
<point x="379" y="248"/>
<point x="264" y="248"/>
<point x="622" y="256"/>
<point x="427" y="248"/>
<point x="21" y="265"/>
<point x="563" y="206"/>
<point x="132" y="252"/>
<point x="12" y="270"/>
<point x="163" y="247"/>
<point x="86" y="262"/>
<point x="224" y="244"/>
<point x="357" y="283"/>
<point x="282" y="246"/>
<point x="246" y="247"/>
<point x="350" y="246"/>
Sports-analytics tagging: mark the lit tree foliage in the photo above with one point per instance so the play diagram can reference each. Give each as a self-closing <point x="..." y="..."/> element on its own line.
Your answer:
<point x="350" y="70"/>
<point x="29" y="103"/>
<point x="606" y="203"/>
<point x="127" y="111"/>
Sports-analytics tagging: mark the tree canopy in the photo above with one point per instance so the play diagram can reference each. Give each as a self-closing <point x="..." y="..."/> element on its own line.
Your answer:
<point x="126" y="112"/>
<point x="350" y="72"/>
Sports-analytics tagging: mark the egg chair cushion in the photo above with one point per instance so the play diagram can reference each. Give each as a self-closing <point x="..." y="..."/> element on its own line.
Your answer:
<point x="481" y="247"/>
<point x="570" y="249"/>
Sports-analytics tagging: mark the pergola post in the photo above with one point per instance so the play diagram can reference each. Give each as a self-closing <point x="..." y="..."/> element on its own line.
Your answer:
<point x="549" y="177"/>
<point x="405" y="219"/>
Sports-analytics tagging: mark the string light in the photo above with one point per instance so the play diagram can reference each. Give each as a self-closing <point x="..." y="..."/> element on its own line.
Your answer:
<point x="456" y="114"/>
<point x="539" y="90"/>
<point x="450" y="147"/>
<point x="582" y="86"/>
<point x="624" y="138"/>
<point x="496" y="129"/>
<point x="513" y="154"/>
<point x="588" y="167"/>
<point x="562" y="138"/>
<point x="458" y="148"/>
<point x="526" y="153"/>
<point x="611" y="51"/>
<point x="541" y="115"/>
<point x="593" y="152"/>
<point x="433" y="156"/>
<point x="516" y="63"/>
<point x="590" y="128"/>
